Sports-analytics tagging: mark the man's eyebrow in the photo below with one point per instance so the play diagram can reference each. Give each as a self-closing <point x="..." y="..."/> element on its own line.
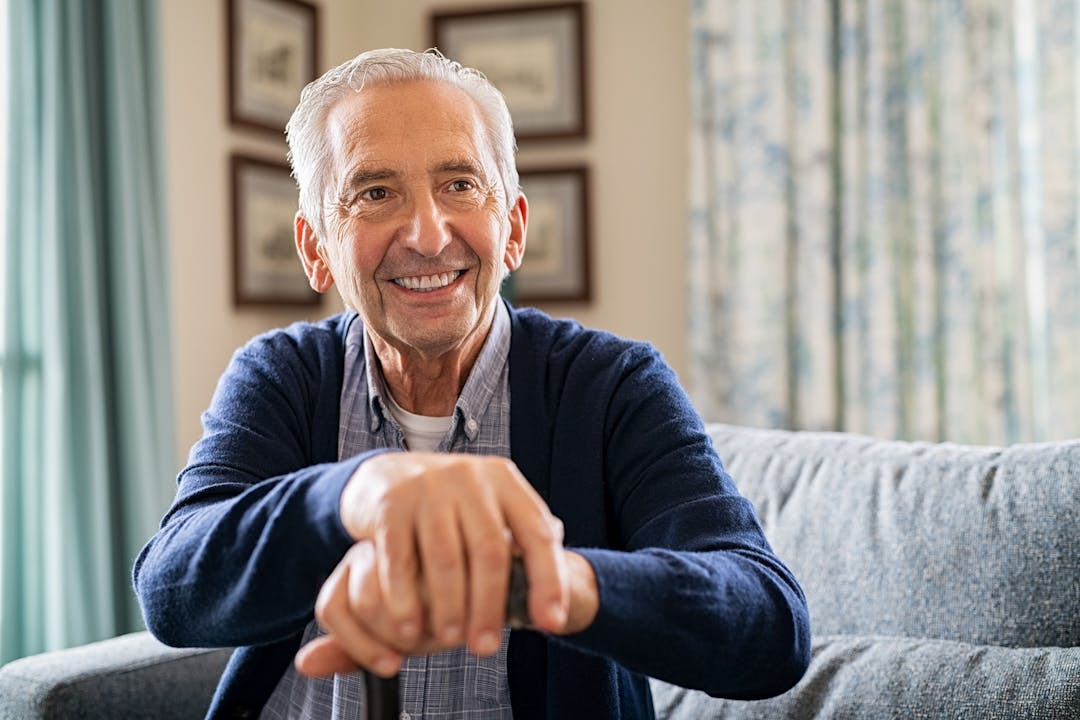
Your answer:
<point x="365" y="176"/>
<point x="459" y="165"/>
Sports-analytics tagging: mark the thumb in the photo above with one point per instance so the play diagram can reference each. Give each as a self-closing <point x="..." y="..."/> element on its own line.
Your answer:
<point x="323" y="657"/>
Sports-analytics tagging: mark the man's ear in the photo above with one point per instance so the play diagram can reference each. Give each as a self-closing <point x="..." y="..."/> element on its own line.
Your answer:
<point x="313" y="256"/>
<point x="519" y="223"/>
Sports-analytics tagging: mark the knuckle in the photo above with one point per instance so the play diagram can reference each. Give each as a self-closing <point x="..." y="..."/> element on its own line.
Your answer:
<point x="548" y="531"/>
<point x="323" y="610"/>
<point x="557" y="529"/>
<point x="402" y="567"/>
<point x="492" y="556"/>
<point x="545" y="533"/>
<point x="443" y="561"/>
<point x="364" y="605"/>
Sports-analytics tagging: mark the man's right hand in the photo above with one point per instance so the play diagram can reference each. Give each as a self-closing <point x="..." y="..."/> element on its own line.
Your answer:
<point x="443" y="529"/>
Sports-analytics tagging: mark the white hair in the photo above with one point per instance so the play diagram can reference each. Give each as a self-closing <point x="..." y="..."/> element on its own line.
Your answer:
<point x="309" y="146"/>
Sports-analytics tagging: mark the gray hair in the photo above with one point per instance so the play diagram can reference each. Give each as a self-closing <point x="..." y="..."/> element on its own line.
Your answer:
<point x="309" y="147"/>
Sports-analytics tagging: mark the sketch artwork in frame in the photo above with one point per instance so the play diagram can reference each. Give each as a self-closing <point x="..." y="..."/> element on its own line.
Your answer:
<point x="534" y="54"/>
<point x="266" y="268"/>
<point x="273" y="54"/>
<point x="556" y="262"/>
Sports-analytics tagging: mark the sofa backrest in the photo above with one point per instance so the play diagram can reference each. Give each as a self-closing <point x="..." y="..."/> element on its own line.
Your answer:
<point x="975" y="544"/>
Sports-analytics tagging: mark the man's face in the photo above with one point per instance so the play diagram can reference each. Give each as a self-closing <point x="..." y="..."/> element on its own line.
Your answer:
<point x="418" y="229"/>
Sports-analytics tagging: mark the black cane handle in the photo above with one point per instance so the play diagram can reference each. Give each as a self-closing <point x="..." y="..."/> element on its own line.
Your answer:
<point x="383" y="699"/>
<point x="517" y="596"/>
<point x="383" y="695"/>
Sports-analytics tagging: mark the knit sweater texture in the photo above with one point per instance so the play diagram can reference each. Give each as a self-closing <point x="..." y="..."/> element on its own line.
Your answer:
<point x="690" y="590"/>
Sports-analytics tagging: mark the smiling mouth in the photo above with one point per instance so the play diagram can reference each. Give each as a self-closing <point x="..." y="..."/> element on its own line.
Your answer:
<point x="427" y="283"/>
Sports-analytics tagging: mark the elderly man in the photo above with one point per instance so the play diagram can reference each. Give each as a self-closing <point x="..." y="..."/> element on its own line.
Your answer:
<point x="363" y="483"/>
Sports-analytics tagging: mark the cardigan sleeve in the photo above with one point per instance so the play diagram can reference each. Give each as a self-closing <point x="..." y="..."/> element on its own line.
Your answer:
<point x="254" y="529"/>
<point x="690" y="590"/>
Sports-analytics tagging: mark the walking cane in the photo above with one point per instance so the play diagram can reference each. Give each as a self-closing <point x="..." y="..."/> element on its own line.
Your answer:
<point x="383" y="696"/>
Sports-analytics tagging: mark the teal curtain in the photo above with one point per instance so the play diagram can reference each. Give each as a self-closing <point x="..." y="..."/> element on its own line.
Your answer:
<point x="86" y="442"/>
<point x="884" y="230"/>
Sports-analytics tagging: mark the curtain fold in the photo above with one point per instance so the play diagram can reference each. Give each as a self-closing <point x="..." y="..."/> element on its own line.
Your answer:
<point x="883" y="221"/>
<point x="86" y="378"/>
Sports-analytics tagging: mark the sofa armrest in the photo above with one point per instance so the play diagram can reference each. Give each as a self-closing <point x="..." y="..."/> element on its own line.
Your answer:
<point x="131" y="676"/>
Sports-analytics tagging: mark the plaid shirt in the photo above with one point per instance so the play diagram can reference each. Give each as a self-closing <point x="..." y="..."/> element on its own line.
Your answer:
<point x="453" y="684"/>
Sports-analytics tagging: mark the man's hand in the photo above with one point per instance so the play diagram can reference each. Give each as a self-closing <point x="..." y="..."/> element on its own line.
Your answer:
<point x="349" y="607"/>
<point x="440" y="532"/>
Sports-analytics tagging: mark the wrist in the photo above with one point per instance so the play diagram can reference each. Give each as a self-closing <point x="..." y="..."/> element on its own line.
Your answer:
<point x="584" y="594"/>
<point x="355" y="495"/>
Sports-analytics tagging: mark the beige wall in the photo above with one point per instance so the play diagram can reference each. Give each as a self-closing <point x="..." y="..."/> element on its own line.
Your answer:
<point x="637" y="58"/>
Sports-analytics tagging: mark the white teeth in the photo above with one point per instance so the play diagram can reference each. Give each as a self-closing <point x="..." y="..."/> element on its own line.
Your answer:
<point x="427" y="283"/>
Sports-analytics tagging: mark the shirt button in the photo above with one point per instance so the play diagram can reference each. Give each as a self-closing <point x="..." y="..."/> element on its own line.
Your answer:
<point x="404" y="716"/>
<point x="472" y="426"/>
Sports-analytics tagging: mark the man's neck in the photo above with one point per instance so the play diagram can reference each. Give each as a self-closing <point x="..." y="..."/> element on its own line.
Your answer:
<point x="428" y="383"/>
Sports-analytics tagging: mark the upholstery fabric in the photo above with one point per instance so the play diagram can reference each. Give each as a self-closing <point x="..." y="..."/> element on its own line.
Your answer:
<point x="131" y="677"/>
<point x="974" y="544"/>
<point x="889" y="677"/>
<point x="943" y="580"/>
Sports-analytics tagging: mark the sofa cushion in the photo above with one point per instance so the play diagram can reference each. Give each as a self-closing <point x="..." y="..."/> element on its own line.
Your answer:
<point x="889" y="677"/>
<point x="973" y="544"/>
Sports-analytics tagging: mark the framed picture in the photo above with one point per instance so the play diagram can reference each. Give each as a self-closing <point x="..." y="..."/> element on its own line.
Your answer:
<point x="534" y="54"/>
<point x="273" y="54"/>
<point x="556" y="263"/>
<point x="266" y="268"/>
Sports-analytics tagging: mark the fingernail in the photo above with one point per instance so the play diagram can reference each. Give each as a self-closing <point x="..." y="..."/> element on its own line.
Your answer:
<point x="558" y="615"/>
<point x="451" y="633"/>
<point x="487" y="643"/>
<point x="386" y="666"/>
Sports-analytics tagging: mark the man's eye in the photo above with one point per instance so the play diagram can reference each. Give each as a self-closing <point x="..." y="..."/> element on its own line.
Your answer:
<point x="375" y="193"/>
<point x="461" y="185"/>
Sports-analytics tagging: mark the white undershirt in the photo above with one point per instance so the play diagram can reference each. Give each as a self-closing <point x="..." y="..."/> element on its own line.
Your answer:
<point x="423" y="433"/>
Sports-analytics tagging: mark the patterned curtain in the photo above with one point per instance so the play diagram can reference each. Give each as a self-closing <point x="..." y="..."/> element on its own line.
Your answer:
<point x="883" y="220"/>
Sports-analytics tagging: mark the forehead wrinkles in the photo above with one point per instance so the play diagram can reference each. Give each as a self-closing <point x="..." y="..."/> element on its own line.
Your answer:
<point x="403" y="129"/>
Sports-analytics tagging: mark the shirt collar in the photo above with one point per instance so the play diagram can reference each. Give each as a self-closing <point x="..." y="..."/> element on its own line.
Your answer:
<point x="479" y="388"/>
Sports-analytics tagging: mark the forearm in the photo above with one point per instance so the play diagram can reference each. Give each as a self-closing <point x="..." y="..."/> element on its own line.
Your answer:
<point x="690" y="591"/>
<point x="236" y="565"/>
<point x="730" y="622"/>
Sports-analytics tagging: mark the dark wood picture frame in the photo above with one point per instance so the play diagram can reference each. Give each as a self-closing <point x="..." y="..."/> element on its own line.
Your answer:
<point x="266" y="269"/>
<point x="273" y="52"/>
<point x="556" y="266"/>
<point x="535" y="54"/>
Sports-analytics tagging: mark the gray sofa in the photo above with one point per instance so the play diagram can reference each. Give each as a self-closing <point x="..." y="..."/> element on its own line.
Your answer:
<point x="943" y="582"/>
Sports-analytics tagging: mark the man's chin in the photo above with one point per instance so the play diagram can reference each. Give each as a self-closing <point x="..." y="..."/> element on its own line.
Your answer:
<point x="432" y="336"/>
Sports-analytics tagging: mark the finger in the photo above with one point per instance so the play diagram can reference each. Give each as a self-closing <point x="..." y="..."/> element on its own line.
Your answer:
<point x="365" y="601"/>
<point x="397" y="565"/>
<point x="334" y="613"/>
<point x="488" y="551"/>
<point x="323" y="657"/>
<point x="444" y="571"/>
<point x="539" y="534"/>
<point x="549" y="587"/>
<point x="363" y="648"/>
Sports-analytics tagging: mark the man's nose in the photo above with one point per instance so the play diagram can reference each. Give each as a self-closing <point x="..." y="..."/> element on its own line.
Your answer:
<point x="429" y="230"/>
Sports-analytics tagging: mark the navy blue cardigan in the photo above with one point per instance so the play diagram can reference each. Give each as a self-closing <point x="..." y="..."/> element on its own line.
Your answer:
<point x="690" y="591"/>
